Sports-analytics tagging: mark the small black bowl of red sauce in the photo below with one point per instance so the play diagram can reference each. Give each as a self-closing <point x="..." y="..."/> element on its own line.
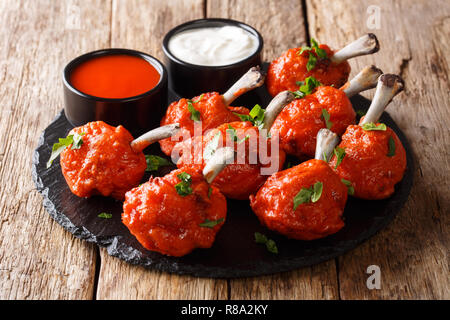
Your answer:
<point x="118" y="86"/>
<point x="211" y="54"/>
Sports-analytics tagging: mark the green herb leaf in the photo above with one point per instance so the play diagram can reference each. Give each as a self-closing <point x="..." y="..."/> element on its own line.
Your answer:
<point x="317" y="193"/>
<point x="391" y="144"/>
<point x="306" y="87"/>
<point x="340" y="154"/>
<point x="154" y="162"/>
<point x="199" y="98"/>
<point x="350" y="189"/>
<point x="303" y="196"/>
<point x="195" y="114"/>
<point x="311" y="194"/>
<point x="255" y="116"/>
<point x="271" y="246"/>
<point x="326" y="117"/>
<point x="72" y="139"/>
<point x="105" y="215"/>
<point x="232" y="132"/>
<point x="211" y="223"/>
<point x="370" y="126"/>
<point x="184" y="187"/>
<point x="303" y="49"/>
<point x="321" y="53"/>
<point x="312" y="61"/>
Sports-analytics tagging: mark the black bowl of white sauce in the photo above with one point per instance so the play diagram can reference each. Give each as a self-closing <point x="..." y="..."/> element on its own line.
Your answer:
<point x="209" y="55"/>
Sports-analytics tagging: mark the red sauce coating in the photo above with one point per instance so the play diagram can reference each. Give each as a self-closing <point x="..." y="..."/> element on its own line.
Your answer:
<point x="115" y="76"/>
<point x="213" y="112"/>
<point x="237" y="180"/>
<point x="105" y="164"/>
<point x="274" y="202"/>
<point x="285" y="71"/>
<point x="366" y="165"/>
<point x="166" y="222"/>
<point x="299" y="122"/>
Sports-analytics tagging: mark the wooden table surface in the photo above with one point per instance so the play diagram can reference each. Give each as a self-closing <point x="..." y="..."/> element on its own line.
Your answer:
<point x="39" y="260"/>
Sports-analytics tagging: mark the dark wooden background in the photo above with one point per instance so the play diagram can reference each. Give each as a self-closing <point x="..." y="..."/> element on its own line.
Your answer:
<point x="39" y="260"/>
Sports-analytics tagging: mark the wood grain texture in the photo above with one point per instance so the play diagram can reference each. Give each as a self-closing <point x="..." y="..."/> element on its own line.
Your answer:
<point x="414" y="35"/>
<point x="142" y="26"/>
<point x="282" y="27"/>
<point x="38" y="259"/>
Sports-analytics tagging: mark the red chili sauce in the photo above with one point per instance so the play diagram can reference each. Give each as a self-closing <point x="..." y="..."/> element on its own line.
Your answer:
<point x="115" y="76"/>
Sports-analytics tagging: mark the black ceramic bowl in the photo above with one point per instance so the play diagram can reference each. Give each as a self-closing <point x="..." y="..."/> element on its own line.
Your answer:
<point x="189" y="80"/>
<point x="138" y="114"/>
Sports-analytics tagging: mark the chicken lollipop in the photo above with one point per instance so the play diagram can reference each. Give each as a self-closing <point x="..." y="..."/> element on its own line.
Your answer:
<point x="370" y="156"/>
<point x="97" y="158"/>
<point x="257" y="155"/>
<point x="179" y="212"/>
<point x="209" y="109"/>
<point x="304" y="202"/>
<point x="320" y="62"/>
<point x="322" y="107"/>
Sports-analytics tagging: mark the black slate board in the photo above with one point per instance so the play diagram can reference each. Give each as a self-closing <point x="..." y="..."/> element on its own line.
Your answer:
<point x="234" y="253"/>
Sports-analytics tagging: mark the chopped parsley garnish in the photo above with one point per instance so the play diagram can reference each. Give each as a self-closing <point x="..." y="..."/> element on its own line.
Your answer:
<point x="311" y="194"/>
<point x="72" y="139"/>
<point x="211" y="223"/>
<point x="105" y="215"/>
<point x="270" y="244"/>
<point x="154" y="162"/>
<point x="306" y="87"/>
<point x="391" y="145"/>
<point x="350" y="189"/>
<point x="232" y="132"/>
<point x="195" y="114"/>
<point x="340" y="154"/>
<point x="326" y="117"/>
<point x="312" y="60"/>
<point x="255" y="116"/>
<point x="184" y="187"/>
<point x="370" y="126"/>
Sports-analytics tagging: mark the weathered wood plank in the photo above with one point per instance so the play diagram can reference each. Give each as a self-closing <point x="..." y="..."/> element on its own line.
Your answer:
<point x="38" y="259"/>
<point x="413" y="251"/>
<point x="142" y="26"/>
<point x="282" y="26"/>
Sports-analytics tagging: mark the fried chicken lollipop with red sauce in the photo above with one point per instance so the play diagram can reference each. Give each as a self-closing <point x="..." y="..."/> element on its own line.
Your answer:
<point x="210" y="109"/>
<point x="258" y="156"/>
<point x="318" y="61"/>
<point x="320" y="107"/>
<point x="179" y="212"/>
<point x="99" y="159"/>
<point x="372" y="158"/>
<point x="305" y="202"/>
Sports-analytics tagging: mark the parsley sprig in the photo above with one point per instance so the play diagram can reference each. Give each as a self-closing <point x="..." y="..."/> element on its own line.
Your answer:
<point x="311" y="194"/>
<point x="350" y="189"/>
<point x="195" y="114"/>
<point x="306" y="87"/>
<point x="312" y="59"/>
<point x="154" y="162"/>
<point x="271" y="246"/>
<point x="72" y="139"/>
<point x="340" y="154"/>
<point x="184" y="187"/>
<point x="326" y="117"/>
<point x="255" y="116"/>
<point x="370" y="126"/>
<point x="391" y="146"/>
<point x="211" y="223"/>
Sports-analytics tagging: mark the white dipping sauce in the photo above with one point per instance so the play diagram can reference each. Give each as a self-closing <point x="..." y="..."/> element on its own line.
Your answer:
<point x="213" y="46"/>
